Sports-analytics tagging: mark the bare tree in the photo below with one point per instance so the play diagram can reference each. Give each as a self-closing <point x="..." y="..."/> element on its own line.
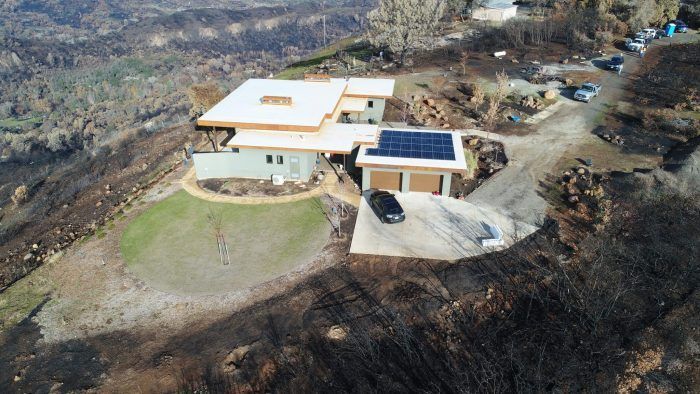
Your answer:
<point x="403" y="26"/>
<point x="203" y="97"/>
<point x="215" y="218"/>
<point x="495" y="100"/>
<point x="463" y="60"/>
<point x="478" y="95"/>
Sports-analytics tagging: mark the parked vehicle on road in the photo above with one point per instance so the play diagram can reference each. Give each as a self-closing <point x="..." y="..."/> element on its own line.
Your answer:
<point x="649" y="32"/>
<point x="636" y="44"/>
<point x="660" y="34"/>
<point x="386" y="207"/>
<point x="615" y="63"/>
<point x="587" y="91"/>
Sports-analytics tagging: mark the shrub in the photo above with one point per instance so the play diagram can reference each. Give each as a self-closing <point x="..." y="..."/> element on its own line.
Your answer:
<point x="472" y="164"/>
<point x="21" y="195"/>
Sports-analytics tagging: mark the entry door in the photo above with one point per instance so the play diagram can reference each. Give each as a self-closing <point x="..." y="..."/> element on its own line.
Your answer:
<point x="294" y="167"/>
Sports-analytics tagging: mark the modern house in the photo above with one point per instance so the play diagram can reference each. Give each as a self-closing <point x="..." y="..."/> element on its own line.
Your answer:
<point x="283" y="129"/>
<point x="494" y="10"/>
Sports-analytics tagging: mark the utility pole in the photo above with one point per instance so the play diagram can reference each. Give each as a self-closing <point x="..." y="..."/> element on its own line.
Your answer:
<point x="323" y="17"/>
<point x="324" y="31"/>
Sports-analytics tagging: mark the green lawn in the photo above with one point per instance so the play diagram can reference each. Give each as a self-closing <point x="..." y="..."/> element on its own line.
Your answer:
<point x="173" y="248"/>
<point x="11" y="123"/>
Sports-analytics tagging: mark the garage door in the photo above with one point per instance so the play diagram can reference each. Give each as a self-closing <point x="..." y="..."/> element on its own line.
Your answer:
<point x="425" y="183"/>
<point x="385" y="180"/>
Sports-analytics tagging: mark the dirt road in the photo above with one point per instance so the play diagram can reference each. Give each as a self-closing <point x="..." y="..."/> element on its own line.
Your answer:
<point x="563" y="137"/>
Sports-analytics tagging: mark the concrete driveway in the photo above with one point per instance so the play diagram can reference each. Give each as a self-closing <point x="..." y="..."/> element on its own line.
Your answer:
<point x="436" y="227"/>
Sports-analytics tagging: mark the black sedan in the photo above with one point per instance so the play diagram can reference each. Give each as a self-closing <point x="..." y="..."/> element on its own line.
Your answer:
<point x="386" y="207"/>
<point x="616" y="62"/>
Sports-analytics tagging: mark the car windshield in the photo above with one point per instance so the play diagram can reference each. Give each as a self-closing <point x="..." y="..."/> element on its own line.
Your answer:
<point x="588" y="88"/>
<point x="617" y="59"/>
<point x="391" y="206"/>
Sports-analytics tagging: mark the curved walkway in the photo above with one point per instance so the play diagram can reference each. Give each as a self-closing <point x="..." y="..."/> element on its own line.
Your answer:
<point x="328" y="186"/>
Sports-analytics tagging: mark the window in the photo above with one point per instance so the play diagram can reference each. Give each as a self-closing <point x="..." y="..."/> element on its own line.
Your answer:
<point x="235" y="150"/>
<point x="268" y="159"/>
<point x="280" y="159"/>
<point x="370" y="104"/>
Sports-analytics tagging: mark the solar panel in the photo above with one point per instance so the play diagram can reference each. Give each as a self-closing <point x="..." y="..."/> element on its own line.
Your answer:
<point x="414" y="145"/>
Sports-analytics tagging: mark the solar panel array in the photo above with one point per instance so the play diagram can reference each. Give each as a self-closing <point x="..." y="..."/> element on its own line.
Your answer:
<point x="414" y="145"/>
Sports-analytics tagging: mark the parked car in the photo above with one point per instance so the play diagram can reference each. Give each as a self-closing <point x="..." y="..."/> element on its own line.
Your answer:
<point x="646" y="33"/>
<point x="681" y="27"/>
<point x="650" y="32"/>
<point x="660" y="33"/>
<point x="587" y="92"/>
<point x="386" y="207"/>
<point x="615" y="62"/>
<point x="636" y="44"/>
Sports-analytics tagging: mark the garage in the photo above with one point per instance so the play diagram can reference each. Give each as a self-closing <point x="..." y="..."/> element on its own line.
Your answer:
<point x="427" y="183"/>
<point x="407" y="161"/>
<point x="385" y="180"/>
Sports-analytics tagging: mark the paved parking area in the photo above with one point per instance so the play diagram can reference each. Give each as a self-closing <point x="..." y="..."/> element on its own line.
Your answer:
<point x="436" y="227"/>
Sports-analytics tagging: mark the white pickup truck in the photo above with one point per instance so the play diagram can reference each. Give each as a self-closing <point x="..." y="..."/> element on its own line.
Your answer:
<point x="636" y="44"/>
<point x="587" y="92"/>
<point x="646" y="33"/>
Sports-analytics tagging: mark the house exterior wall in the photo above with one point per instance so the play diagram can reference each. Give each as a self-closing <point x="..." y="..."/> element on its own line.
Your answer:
<point x="376" y="113"/>
<point x="494" y="14"/>
<point x="251" y="163"/>
<point x="406" y="178"/>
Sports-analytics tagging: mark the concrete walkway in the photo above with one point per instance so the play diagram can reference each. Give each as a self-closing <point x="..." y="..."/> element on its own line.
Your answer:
<point x="329" y="185"/>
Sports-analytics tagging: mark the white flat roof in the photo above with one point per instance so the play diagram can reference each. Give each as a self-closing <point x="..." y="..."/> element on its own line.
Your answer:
<point x="459" y="164"/>
<point x="332" y="138"/>
<point x="312" y="102"/>
<point x="353" y="104"/>
<point x="370" y="87"/>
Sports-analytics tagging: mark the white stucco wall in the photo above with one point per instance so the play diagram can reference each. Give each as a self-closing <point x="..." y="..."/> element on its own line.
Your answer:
<point x="251" y="163"/>
<point x="494" y="14"/>
<point x="375" y="113"/>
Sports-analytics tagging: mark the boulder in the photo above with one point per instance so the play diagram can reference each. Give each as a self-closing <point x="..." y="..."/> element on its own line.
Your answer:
<point x="569" y="82"/>
<point x="573" y="199"/>
<point x="550" y="94"/>
<point x="337" y="333"/>
<point x="236" y="357"/>
<point x="581" y="171"/>
<point x="473" y="141"/>
<point x="572" y="190"/>
<point x="430" y="102"/>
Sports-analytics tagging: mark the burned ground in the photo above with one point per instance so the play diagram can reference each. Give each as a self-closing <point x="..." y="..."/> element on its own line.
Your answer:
<point x="541" y="316"/>
<point x="76" y="198"/>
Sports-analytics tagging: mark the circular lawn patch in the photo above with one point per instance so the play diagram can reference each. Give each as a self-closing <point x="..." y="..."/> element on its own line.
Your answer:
<point x="173" y="245"/>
